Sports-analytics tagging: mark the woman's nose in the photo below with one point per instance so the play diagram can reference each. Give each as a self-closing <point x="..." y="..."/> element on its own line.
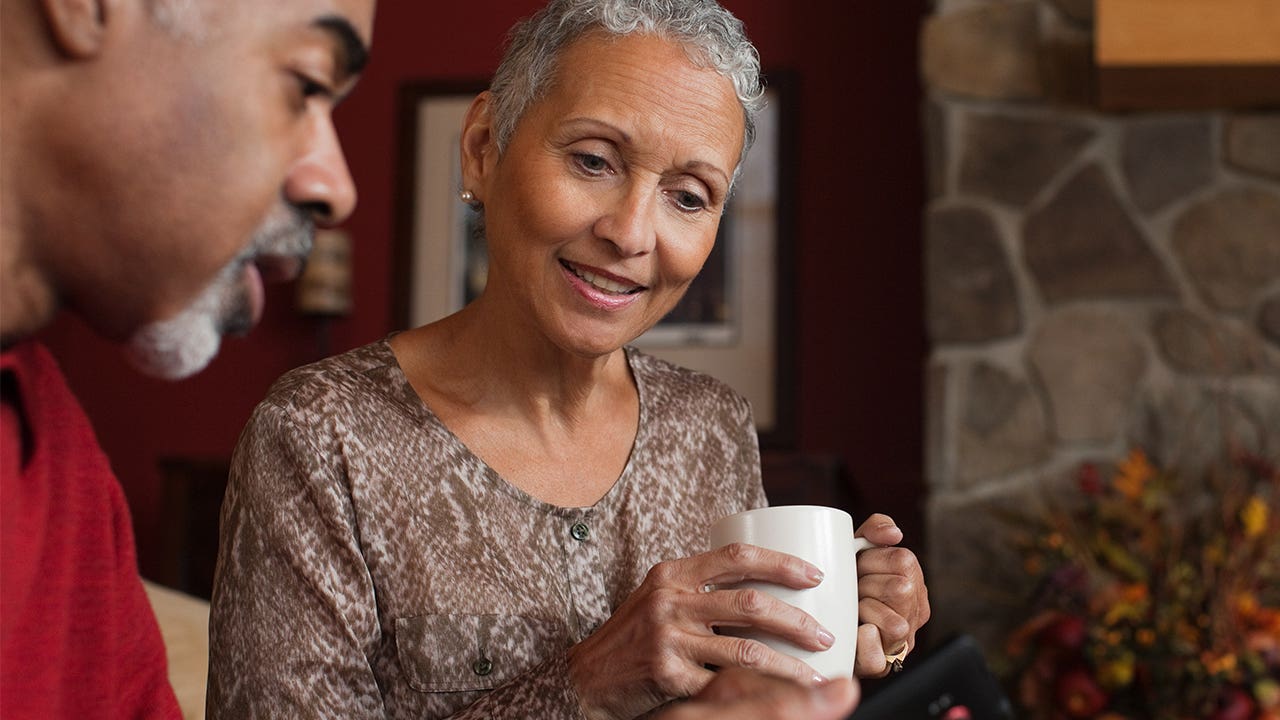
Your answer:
<point x="320" y="181"/>
<point x="628" y="223"/>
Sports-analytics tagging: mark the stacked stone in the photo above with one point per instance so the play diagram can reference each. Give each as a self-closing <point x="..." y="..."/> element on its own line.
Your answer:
<point x="1094" y="281"/>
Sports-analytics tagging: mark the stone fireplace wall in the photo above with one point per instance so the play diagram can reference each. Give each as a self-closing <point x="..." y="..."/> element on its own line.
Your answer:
<point x="1094" y="281"/>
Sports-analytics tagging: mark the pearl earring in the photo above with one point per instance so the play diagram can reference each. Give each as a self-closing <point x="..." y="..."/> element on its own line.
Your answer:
<point x="467" y="197"/>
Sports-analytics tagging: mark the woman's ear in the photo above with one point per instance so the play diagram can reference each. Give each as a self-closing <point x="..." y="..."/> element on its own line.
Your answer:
<point x="479" y="145"/>
<point x="78" y="27"/>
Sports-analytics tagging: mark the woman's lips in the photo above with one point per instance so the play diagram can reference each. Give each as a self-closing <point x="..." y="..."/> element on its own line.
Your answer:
<point x="603" y="290"/>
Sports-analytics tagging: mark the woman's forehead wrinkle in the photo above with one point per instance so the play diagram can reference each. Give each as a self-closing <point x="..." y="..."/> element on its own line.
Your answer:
<point x="630" y="96"/>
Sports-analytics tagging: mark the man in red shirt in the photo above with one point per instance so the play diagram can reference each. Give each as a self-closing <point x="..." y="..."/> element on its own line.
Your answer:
<point x="159" y="159"/>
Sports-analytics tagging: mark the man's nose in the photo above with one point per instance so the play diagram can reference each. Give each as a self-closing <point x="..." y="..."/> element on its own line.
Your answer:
<point x="320" y="181"/>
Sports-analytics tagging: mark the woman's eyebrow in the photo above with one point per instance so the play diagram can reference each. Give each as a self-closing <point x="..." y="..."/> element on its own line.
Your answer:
<point x="590" y="123"/>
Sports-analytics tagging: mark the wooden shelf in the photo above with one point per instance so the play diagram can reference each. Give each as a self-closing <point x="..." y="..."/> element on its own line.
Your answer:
<point x="1188" y="54"/>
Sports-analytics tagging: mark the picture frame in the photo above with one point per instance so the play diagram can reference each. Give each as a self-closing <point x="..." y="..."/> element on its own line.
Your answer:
<point x="734" y="323"/>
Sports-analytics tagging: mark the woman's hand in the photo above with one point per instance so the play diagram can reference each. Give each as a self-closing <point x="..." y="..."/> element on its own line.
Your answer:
<point x="656" y="646"/>
<point x="738" y="694"/>
<point x="893" y="602"/>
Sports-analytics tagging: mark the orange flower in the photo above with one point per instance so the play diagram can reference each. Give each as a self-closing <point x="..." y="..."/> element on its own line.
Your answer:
<point x="1266" y="619"/>
<point x="1034" y="565"/>
<point x="1132" y="474"/>
<point x="1218" y="664"/>
<point x="1247" y="604"/>
<point x="1130" y="605"/>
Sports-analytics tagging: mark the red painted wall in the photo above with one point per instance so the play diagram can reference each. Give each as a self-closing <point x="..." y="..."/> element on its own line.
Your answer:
<point x="857" y="246"/>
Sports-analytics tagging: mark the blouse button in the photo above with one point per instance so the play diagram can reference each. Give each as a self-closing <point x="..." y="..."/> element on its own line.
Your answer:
<point x="580" y="532"/>
<point x="482" y="667"/>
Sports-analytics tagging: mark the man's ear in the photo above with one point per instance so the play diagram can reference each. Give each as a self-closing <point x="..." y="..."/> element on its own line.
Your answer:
<point x="78" y="27"/>
<point x="479" y="144"/>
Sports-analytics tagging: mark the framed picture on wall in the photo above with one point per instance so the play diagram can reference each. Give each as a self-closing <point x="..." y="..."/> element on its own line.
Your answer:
<point x="733" y="323"/>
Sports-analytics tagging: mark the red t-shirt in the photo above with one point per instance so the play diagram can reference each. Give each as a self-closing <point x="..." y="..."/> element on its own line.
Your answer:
<point x="78" y="638"/>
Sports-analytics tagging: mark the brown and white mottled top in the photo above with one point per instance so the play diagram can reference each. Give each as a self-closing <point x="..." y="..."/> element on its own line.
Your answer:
<point x="372" y="567"/>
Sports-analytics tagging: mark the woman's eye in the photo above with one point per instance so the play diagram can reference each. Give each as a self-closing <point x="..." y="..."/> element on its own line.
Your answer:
<point x="687" y="200"/>
<point x="593" y="164"/>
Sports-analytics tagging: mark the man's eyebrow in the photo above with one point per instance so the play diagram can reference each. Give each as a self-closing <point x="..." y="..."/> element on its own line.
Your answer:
<point x="353" y="54"/>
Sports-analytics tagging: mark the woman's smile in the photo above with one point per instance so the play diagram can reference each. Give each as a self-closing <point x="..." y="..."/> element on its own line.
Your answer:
<point x="602" y="289"/>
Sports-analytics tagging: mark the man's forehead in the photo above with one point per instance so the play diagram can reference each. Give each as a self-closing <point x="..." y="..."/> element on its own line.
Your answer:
<point x="355" y="15"/>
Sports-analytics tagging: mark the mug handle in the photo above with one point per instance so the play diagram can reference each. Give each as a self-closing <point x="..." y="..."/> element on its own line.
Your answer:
<point x="861" y="543"/>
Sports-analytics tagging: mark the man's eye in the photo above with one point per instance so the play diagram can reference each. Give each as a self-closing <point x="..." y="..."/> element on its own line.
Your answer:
<point x="310" y="88"/>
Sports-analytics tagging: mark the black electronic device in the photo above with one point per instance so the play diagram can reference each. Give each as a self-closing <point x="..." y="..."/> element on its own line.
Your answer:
<point x="952" y="682"/>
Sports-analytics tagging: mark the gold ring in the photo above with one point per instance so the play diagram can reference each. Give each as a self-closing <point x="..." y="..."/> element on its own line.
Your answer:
<point x="893" y="663"/>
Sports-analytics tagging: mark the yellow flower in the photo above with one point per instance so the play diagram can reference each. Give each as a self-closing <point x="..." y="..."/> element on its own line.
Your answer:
<point x="1133" y="474"/>
<point x="1254" y="517"/>
<point x="1267" y="692"/>
<point x="1117" y="673"/>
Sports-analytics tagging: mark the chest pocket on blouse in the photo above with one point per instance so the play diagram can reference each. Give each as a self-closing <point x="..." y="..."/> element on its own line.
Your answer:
<point x="453" y="653"/>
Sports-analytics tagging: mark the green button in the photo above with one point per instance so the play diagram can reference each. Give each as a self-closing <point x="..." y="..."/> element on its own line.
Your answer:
<point x="580" y="532"/>
<point x="482" y="667"/>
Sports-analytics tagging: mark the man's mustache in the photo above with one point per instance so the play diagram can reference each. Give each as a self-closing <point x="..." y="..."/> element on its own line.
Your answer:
<point x="288" y="231"/>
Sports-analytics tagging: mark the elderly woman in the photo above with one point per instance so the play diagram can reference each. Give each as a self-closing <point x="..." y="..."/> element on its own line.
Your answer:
<point x="504" y="514"/>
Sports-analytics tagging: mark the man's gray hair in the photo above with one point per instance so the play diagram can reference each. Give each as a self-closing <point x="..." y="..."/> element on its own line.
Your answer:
<point x="712" y="36"/>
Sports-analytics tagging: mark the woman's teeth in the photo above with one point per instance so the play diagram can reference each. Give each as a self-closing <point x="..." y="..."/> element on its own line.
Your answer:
<point x="604" y="283"/>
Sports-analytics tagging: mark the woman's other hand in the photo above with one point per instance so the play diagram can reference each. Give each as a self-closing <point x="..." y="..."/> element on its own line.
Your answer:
<point x="738" y="694"/>
<point x="893" y="602"/>
<point x="656" y="645"/>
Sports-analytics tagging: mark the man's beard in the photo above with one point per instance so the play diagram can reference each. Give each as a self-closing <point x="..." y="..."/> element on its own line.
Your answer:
<point x="186" y="343"/>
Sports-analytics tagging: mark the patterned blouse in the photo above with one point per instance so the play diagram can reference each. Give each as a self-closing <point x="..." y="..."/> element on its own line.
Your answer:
<point x="372" y="567"/>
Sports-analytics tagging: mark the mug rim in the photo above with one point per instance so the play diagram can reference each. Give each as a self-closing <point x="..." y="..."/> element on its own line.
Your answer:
<point x="761" y="510"/>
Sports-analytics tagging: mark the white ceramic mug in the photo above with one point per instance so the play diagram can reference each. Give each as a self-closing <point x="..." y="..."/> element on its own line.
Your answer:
<point x="824" y="537"/>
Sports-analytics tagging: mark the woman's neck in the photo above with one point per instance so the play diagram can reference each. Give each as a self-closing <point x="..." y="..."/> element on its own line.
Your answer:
<point x="478" y="356"/>
<point x="556" y="425"/>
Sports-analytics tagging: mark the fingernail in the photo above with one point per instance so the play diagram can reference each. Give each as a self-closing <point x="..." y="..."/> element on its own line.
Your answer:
<point x="825" y="637"/>
<point x="819" y="680"/>
<point x="815" y="574"/>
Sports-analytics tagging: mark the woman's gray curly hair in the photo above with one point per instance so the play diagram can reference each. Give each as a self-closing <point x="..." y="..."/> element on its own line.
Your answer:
<point x="711" y="35"/>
